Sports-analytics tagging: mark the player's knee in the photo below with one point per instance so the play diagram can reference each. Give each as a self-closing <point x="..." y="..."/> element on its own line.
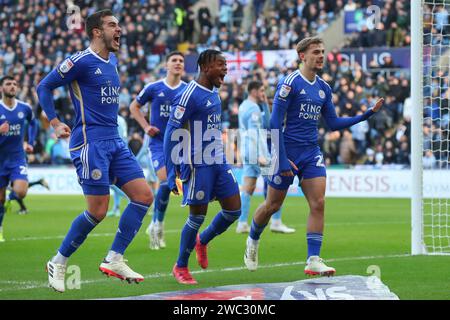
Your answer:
<point x="99" y="215"/>
<point x="273" y="207"/>
<point x="21" y="193"/>
<point x="318" y="206"/>
<point x="145" y="197"/>
<point x="250" y="190"/>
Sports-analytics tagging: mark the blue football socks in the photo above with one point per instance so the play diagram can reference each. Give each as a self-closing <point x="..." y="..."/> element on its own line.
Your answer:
<point x="161" y="201"/>
<point x="2" y="213"/>
<point x="188" y="238"/>
<point x="256" y="230"/>
<point x="80" y="228"/>
<point x="220" y="223"/>
<point x="314" y="241"/>
<point x="129" y="224"/>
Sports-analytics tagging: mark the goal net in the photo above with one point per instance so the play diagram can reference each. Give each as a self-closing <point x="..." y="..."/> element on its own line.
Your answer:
<point x="430" y="89"/>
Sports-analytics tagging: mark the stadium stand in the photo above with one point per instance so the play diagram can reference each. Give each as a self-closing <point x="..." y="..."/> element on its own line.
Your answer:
<point x="35" y="37"/>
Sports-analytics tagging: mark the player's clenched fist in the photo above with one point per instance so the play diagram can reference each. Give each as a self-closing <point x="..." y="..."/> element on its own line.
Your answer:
<point x="4" y="127"/>
<point x="62" y="130"/>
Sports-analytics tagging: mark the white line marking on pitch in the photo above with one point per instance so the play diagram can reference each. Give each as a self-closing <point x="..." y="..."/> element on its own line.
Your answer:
<point x="26" y="285"/>
<point x="179" y="230"/>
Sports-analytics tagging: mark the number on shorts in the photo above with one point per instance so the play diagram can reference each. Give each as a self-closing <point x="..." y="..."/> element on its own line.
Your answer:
<point x="319" y="161"/>
<point x="23" y="170"/>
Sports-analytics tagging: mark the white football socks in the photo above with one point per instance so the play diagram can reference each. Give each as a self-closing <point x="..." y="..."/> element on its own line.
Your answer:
<point x="59" y="259"/>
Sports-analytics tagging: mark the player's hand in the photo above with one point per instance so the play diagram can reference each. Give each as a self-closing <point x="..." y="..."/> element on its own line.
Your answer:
<point x="262" y="162"/>
<point x="62" y="130"/>
<point x="4" y="127"/>
<point x="289" y="173"/>
<point x="151" y="131"/>
<point x="378" y="105"/>
<point x="28" y="148"/>
<point x="175" y="191"/>
<point x="176" y="186"/>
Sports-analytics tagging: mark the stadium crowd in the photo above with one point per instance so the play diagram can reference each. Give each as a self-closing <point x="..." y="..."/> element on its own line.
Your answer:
<point x="35" y="37"/>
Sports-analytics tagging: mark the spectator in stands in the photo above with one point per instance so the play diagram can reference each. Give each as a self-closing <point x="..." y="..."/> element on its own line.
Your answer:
<point x="429" y="160"/>
<point x="347" y="149"/>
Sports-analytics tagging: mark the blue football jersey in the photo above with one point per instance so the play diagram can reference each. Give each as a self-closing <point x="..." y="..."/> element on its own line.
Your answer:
<point x="305" y="103"/>
<point x="199" y="110"/>
<point x="302" y="103"/>
<point x="160" y="94"/>
<point x="17" y="116"/>
<point x="94" y="86"/>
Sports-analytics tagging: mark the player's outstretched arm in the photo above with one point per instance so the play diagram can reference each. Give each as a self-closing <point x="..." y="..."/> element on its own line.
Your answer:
<point x="378" y="105"/>
<point x="336" y="123"/>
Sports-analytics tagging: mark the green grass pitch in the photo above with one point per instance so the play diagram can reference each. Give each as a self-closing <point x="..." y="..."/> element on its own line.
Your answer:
<point x="359" y="233"/>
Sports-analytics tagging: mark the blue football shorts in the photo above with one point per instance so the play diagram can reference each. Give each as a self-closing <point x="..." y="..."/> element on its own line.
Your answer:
<point x="102" y="163"/>
<point x="310" y="164"/>
<point x="158" y="159"/>
<point x="13" y="167"/>
<point x="208" y="183"/>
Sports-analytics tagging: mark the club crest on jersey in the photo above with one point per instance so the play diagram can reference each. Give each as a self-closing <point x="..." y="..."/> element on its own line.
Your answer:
<point x="96" y="174"/>
<point x="321" y="94"/>
<point x="155" y="163"/>
<point x="284" y="91"/>
<point x="179" y="112"/>
<point x="20" y="115"/>
<point x="66" y="66"/>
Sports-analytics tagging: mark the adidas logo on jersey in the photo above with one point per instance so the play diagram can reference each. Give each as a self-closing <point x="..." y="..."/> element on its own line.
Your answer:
<point x="98" y="71"/>
<point x="208" y="103"/>
<point x="303" y="91"/>
<point x="2" y="117"/>
<point x="161" y="94"/>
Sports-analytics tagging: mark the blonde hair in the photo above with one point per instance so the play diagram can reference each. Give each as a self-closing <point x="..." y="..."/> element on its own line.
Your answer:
<point x="304" y="44"/>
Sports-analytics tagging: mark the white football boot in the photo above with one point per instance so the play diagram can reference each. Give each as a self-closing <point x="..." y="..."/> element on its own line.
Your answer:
<point x="242" y="227"/>
<point x="120" y="270"/>
<point x="316" y="267"/>
<point x="279" y="227"/>
<point x="251" y="254"/>
<point x="56" y="273"/>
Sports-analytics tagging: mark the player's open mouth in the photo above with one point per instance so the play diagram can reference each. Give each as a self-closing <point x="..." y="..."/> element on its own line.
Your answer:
<point x="117" y="41"/>
<point x="221" y="79"/>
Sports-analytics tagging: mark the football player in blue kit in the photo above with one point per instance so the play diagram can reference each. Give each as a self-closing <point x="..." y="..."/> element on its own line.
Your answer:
<point x="301" y="99"/>
<point x="160" y="94"/>
<point x="14" y="114"/>
<point x="199" y="160"/>
<point x="99" y="154"/>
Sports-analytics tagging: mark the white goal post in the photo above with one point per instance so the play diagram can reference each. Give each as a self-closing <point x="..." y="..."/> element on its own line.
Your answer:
<point x="430" y="208"/>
